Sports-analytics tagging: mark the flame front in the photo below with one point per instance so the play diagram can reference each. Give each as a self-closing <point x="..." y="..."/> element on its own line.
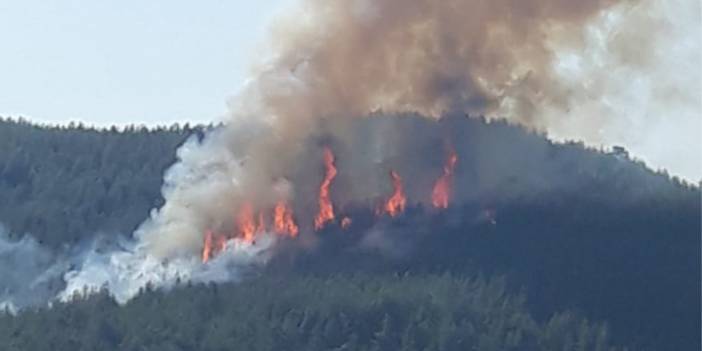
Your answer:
<point x="207" y="247"/>
<point x="442" y="189"/>
<point x="213" y="245"/>
<point x="326" y="208"/>
<point x="283" y="221"/>
<point x="247" y="226"/>
<point x="250" y="222"/>
<point x="221" y="244"/>
<point x="397" y="202"/>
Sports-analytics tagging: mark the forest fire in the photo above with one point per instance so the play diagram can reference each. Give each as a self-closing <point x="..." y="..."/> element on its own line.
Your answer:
<point x="397" y="202"/>
<point x="247" y="225"/>
<point x="207" y="247"/>
<point x="251" y="222"/>
<point x="442" y="189"/>
<point x="283" y="221"/>
<point x="326" y="208"/>
<point x="213" y="245"/>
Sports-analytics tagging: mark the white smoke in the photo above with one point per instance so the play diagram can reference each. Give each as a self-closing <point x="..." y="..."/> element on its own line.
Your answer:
<point x="636" y="82"/>
<point x="30" y="273"/>
<point x="126" y="272"/>
<point x="193" y="188"/>
<point x="167" y="248"/>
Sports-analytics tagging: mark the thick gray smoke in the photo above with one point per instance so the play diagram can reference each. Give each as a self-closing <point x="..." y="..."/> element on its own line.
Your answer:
<point x="604" y="71"/>
<point x="607" y="72"/>
<point x="341" y="60"/>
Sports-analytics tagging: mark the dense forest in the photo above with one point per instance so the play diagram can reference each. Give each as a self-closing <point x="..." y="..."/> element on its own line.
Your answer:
<point x="340" y="313"/>
<point x="572" y="229"/>
<point x="63" y="184"/>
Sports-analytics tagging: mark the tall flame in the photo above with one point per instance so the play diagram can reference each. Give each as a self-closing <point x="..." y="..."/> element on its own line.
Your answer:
<point x="207" y="247"/>
<point x="283" y="221"/>
<point x="247" y="224"/>
<point x="213" y="245"/>
<point x="326" y="208"/>
<point x="397" y="202"/>
<point x="221" y="244"/>
<point x="442" y="189"/>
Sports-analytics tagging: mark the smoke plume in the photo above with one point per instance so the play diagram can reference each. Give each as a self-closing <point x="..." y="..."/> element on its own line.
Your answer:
<point x="341" y="60"/>
<point x="29" y="273"/>
<point x="575" y="69"/>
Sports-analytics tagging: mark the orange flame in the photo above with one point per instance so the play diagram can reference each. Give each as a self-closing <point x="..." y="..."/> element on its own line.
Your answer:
<point x="442" y="189"/>
<point x="250" y="223"/>
<point x="397" y="202"/>
<point x="213" y="245"/>
<point x="221" y="244"/>
<point x="283" y="220"/>
<point x="326" y="208"/>
<point x="247" y="224"/>
<point x="207" y="247"/>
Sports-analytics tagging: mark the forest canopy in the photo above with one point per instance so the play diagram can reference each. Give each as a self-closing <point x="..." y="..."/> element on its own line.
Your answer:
<point x="597" y="232"/>
<point x="354" y="313"/>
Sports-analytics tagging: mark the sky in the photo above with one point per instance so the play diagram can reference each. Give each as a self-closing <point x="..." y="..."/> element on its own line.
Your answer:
<point x="121" y="62"/>
<point x="158" y="62"/>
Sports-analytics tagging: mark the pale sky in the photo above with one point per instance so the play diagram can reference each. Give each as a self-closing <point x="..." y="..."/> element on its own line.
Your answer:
<point x="105" y="62"/>
<point x="128" y="61"/>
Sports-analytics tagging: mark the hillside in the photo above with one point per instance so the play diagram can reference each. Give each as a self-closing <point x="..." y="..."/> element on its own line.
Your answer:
<point x="341" y="313"/>
<point x="65" y="184"/>
<point x="570" y="228"/>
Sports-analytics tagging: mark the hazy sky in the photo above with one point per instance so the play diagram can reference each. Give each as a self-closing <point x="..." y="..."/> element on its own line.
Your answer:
<point x="127" y="61"/>
<point x="153" y="62"/>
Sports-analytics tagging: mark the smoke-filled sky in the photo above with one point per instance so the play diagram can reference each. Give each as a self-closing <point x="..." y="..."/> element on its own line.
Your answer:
<point x="607" y="72"/>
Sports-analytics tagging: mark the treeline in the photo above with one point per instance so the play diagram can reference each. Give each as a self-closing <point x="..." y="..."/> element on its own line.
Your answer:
<point x="575" y="228"/>
<point x="64" y="184"/>
<point x="353" y="313"/>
